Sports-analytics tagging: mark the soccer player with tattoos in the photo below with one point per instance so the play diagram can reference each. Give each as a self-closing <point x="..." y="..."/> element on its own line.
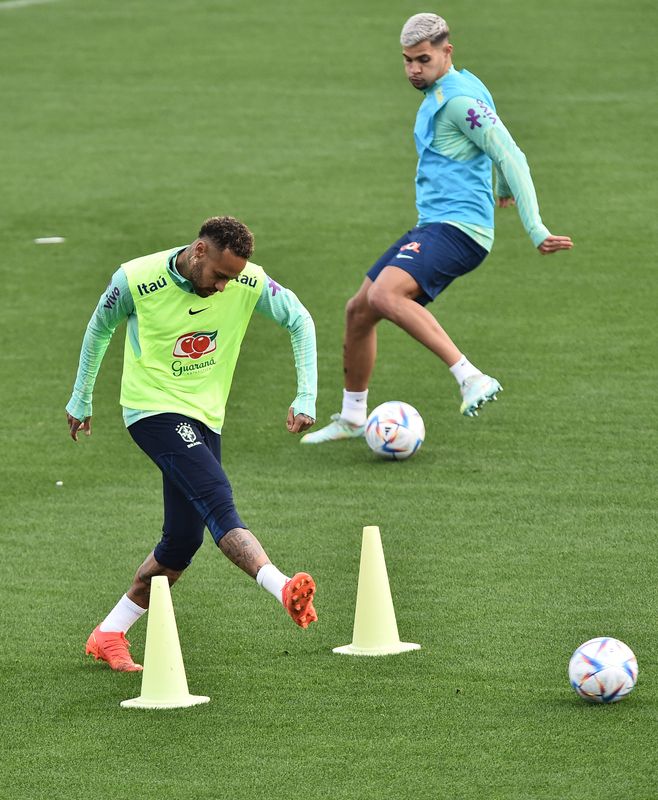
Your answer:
<point x="187" y="310"/>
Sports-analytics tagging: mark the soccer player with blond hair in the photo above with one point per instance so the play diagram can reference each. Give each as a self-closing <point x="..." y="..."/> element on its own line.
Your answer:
<point x="459" y="136"/>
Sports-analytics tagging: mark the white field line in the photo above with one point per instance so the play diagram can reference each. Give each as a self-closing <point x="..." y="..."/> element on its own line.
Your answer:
<point x="22" y="3"/>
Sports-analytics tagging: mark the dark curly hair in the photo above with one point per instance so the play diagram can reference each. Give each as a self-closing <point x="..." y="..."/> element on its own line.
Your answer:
<point x="229" y="233"/>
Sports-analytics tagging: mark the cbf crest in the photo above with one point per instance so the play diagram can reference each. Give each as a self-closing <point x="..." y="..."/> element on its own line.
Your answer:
<point x="186" y="432"/>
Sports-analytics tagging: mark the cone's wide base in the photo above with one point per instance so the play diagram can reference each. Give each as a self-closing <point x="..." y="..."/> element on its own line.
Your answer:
<point x="183" y="702"/>
<point x="390" y="650"/>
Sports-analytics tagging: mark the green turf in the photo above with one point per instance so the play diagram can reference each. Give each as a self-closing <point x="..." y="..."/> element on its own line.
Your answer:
<point x="509" y="539"/>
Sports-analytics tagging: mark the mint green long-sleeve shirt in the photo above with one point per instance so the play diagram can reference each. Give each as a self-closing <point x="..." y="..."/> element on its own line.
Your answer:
<point x="466" y="126"/>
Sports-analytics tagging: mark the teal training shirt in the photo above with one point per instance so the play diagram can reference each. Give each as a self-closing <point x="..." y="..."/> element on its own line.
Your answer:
<point x="458" y="135"/>
<point x="116" y="304"/>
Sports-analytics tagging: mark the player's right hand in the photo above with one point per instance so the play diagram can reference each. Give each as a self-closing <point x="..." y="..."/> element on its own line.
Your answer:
<point x="76" y="425"/>
<point x="552" y="244"/>
<point x="298" y="423"/>
<point x="506" y="202"/>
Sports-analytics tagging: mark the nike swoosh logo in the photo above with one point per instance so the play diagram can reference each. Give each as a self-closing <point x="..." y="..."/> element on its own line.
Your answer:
<point x="198" y="311"/>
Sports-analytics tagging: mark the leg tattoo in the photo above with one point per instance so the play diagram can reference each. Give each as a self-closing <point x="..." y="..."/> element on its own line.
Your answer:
<point x="140" y="591"/>
<point x="242" y="548"/>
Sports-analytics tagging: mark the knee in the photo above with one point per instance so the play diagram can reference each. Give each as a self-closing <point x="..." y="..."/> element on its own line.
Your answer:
<point x="358" y="312"/>
<point x="353" y="307"/>
<point x="381" y="302"/>
<point x="175" y="553"/>
<point x="222" y="519"/>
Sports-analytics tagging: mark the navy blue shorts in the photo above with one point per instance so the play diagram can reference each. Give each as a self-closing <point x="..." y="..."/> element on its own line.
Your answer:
<point x="196" y="492"/>
<point x="434" y="255"/>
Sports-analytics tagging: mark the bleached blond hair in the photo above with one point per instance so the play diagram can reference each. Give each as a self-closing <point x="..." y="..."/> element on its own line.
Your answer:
<point x="424" y="28"/>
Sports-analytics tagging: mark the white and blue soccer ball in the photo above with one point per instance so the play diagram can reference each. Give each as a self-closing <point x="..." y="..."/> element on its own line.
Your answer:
<point x="603" y="670"/>
<point x="395" y="430"/>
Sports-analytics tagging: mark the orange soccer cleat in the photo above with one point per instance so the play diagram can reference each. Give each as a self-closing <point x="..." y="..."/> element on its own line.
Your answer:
<point x="297" y="597"/>
<point x="112" y="647"/>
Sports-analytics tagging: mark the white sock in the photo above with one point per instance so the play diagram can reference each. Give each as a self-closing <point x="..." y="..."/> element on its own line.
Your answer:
<point x="355" y="407"/>
<point x="270" y="578"/>
<point x="463" y="369"/>
<point x="124" y="614"/>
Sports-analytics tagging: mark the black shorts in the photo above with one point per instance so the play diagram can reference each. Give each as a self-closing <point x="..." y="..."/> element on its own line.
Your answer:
<point x="196" y="492"/>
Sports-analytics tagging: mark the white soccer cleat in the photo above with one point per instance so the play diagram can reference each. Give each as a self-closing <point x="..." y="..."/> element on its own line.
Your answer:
<point x="337" y="429"/>
<point x="476" y="391"/>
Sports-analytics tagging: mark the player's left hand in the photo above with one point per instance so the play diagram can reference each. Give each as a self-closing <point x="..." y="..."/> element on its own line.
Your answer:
<point x="505" y="202"/>
<point x="78" y="426"/>
<point x="552" y="244"/>
<point x="298" y="423"/>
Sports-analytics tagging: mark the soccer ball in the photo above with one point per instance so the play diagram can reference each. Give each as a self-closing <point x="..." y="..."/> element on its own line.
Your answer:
<point x="395" y="430"/>
<point x="603" y="670"/>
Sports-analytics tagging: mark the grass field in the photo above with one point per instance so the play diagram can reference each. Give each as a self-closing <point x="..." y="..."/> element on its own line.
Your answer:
<point x="509" y="539"/>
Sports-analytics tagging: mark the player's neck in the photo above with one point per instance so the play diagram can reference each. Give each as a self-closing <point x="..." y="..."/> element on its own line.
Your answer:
<point x="183" y="264"/>
<point x="448" y="68"/>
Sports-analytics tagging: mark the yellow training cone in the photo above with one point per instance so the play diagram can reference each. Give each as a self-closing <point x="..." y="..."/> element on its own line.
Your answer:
<point x="164" y="684"/>
<point x="375" y="629"/>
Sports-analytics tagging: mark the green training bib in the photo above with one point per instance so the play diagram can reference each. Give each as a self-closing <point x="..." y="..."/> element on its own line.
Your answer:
<point x="189" y="344"/>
